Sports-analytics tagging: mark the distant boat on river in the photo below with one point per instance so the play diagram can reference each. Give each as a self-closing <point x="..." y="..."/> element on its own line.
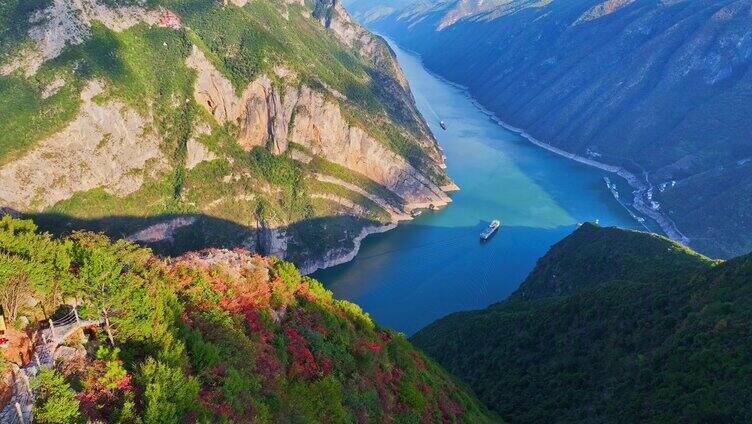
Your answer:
<point x="491" y="230"/>
<point x="443" y="125"/>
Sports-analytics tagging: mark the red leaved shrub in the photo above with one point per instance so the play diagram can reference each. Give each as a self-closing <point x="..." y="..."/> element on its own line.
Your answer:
<point x="303" y="363"/>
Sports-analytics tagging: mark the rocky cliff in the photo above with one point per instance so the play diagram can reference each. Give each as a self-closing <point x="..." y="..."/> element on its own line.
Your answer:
<point x="658" y="91"/>
<point x="277" y="125"/>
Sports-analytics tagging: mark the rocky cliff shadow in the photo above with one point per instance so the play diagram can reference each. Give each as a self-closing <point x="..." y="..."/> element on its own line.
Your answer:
<point x="309" y="238"/>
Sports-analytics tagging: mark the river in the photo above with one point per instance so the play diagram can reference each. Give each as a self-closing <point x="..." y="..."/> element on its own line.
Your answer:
<point x="435" y="265"/>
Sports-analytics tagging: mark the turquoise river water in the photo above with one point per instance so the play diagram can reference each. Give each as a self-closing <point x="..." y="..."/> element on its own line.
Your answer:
<point x="435" y="265"/>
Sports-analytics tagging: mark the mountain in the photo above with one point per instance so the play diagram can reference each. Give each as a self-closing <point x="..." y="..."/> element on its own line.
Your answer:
<point x="611" y="326"/>
<point x="657" y="91"/>
<point x="211" y="336"/>
<point x="276" y="125"/>
<point x="368" y="11"/>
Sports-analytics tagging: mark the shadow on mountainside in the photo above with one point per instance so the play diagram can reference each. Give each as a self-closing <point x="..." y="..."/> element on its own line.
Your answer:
<point x="309" y="238"/>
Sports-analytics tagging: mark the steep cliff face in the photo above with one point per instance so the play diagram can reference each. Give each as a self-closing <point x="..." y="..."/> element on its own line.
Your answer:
<point x="660" y="89"/>
<point x="274" y="125"/>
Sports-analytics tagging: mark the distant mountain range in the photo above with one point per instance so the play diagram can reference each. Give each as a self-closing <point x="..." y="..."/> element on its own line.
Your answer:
<point x="660" y="89"/>
<point x="611" y="326"/>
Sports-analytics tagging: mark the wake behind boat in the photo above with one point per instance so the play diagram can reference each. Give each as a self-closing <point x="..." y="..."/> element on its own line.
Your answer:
<point x="491" y="230"/>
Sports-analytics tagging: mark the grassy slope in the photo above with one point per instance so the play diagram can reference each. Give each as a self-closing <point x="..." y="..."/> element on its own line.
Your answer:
<point x="668" y="340"/>
<point x="244" y="340"/>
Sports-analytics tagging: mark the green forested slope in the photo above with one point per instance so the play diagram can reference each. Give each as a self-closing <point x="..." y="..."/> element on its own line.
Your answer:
<point x="213" y="337"/>
<point x="649" y="336"/>
<point x="594" y="256"/>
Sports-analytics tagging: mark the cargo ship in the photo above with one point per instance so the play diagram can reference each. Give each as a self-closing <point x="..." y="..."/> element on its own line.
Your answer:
<point x="491" y="230"/>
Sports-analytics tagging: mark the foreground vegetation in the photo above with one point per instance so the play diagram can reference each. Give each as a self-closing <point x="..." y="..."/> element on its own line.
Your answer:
<point x="612" y="326"/>
<point x="215" y="336"/>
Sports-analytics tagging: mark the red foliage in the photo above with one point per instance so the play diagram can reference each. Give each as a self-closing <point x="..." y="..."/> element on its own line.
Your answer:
<point x="213" y="400"/>
<point x="304" y="293"/>
<point x="99" y="396"/>
<point x="256" y="324"/>
<point x="373" y="346"/>
<point x="366" y="347"/>
<point x="303" y="363"/>
<point x="186" y="319"/>
<point x="419" y="362"/>
<point x="396" y="375"/>
<point x="268" y="366"/>
<point x="326" y="364"/>
<point x="219" y="370"/>
<point x="253" y="319"/>
<point x="305" y="318"/>
<point x="450" y="408"/>
<point x="385" y="336"/>
<point x="361" y="415"/>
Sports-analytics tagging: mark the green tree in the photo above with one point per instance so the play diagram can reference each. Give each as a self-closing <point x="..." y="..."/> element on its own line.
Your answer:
<point x="168" y="393"/>
<point x="56" y="402"/>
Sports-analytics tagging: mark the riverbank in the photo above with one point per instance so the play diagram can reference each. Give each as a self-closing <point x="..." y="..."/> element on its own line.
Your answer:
<point x="340" y="256"/>
<point x="641" y="188"/>
<point x="641" y="201"/>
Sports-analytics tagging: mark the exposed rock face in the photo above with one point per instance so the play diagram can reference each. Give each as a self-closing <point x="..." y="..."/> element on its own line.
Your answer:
<point x="658" y="89"/>
<point x="600" y="10"/>
<point x="319" y="125"/>
<point x="68" y="22"/>
<point x="162" y="231"/>
<point x="263" y="113"/>
<point x="105" y="146"/>
<point x="197" y="152"/>
<point x="258" y="111"/>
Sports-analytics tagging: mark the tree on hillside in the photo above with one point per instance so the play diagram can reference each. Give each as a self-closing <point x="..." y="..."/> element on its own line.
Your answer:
<point x="15" y="286"/>
<point x="55" y="401"/>
<point x="120" y="286"/>
<point x="100" y="273"/>
<point x="34" y="261"/>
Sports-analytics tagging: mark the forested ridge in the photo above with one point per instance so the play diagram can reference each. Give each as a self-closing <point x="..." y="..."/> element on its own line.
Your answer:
<point x="611" y="326"/>
<point x="212" y="336"/>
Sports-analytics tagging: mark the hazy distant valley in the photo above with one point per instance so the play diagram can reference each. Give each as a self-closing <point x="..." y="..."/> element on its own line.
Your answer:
<point x="660" y="89"/>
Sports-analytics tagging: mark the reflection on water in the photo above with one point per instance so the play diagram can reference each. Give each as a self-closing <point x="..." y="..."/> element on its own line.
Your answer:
<point x="435" y="264"/>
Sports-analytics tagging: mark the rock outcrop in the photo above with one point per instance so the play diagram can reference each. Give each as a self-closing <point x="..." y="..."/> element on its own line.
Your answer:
<point x="106" y="146"/>
<point x="307" y="118"/>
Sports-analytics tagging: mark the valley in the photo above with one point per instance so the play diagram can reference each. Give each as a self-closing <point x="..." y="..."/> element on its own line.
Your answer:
<point x="435" y="265"/>
<point x="660" y="90"/>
